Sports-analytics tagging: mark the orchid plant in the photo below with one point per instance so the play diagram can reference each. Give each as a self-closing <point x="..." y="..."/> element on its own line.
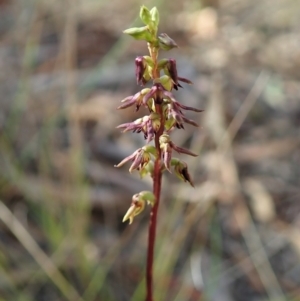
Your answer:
<point x="165" y="114"/>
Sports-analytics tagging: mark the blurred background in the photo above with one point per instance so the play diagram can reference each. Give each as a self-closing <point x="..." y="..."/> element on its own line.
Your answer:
<point x="64" y="68"/>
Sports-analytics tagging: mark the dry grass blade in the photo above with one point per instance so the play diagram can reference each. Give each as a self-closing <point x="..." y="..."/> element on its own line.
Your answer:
<point x="46" y="264"/>
<point x="245" y="108"/>
<point x="230" y="179"/>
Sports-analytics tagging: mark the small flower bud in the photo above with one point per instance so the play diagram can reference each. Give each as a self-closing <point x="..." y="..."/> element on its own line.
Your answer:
<point x="150" y="18"/>
<point x="165" y="42"/>
<point x="145" y="15"/>
<point x="139" y="33"/>
<point x="155" y="16"/>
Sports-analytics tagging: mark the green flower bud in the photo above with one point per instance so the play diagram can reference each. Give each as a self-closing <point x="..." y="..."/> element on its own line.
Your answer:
<point x="139" y="33"/>
<point x="165" y="42"/>
<point x="145" y="15"/>
<point x="155" y="16"/>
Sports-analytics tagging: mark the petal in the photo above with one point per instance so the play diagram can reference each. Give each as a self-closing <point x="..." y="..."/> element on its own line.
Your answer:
<point x="182" y="150"/>
<point x="129" y="214"/>
<point x="178" y="104"/>
<point x="137" y="160"/>
<point x="167" y="156"/>
<point x="128" y="158"/>
<point x="185" y="80"/>
<point x="127" y="102"/>
<point x="169" y="95"/>
<point x="123" y="125"/>
<point x="150" y="94"/>
<point x="189" y="121"/>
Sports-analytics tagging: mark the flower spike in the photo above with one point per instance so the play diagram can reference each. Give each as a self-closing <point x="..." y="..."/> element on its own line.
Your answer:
<point x="165" y="114"/>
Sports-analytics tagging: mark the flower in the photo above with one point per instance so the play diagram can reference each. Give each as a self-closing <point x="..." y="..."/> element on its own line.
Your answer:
<point x="136" y="99"/>
<point x="166" y="145"/>
<point x="138" y="203"/>
<point x="155" y="93"/>
<point x="173" y="112"/>
<point x="135" y="208"/>
<point x="149" y="125"/>
<point x="143" y="69"/>
<point x="181" y="170"/>
<point x="177" y="105"/>
<point x="170" y="69"/>
<point x="140" y="158"/>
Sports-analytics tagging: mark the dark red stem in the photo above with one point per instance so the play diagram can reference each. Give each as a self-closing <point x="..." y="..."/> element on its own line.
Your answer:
<point x="157" y="177"/>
